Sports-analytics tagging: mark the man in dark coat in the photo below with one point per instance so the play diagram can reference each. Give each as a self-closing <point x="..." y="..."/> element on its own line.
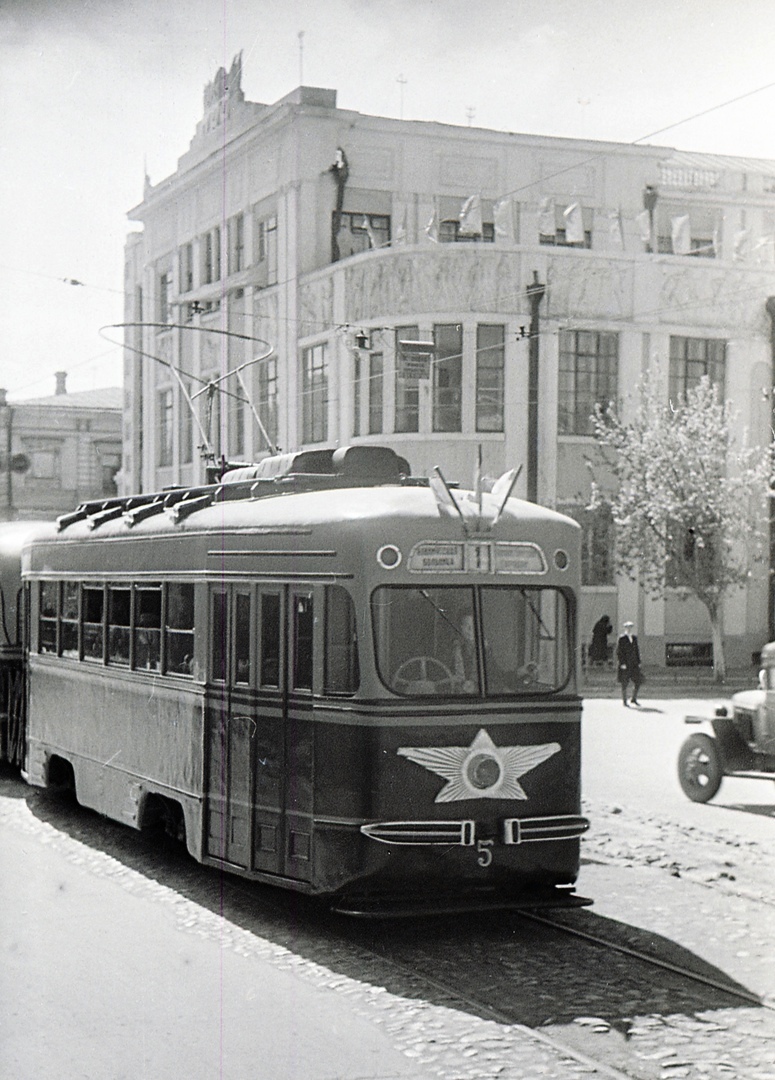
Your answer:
<point x="628" y="662"/>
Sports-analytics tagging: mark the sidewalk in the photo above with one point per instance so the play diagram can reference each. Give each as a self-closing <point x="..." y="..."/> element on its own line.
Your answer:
<point x="670" y="682"/>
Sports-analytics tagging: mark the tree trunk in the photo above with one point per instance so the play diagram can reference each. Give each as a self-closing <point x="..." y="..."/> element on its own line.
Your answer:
<point x="719" y="660"/>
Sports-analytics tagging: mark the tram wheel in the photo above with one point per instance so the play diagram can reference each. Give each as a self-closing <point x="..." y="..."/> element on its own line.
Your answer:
<point x="699" y="768"/>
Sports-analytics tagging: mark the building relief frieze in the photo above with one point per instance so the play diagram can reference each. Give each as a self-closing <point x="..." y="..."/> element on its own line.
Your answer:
<point x="316" y="306"/>
<point x="586" y="289"/>
<point x="720" y="297"/>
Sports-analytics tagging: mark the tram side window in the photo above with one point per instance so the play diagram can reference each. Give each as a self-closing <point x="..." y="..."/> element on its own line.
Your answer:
<point x="242" y="638"/>
<point x="68" y="622"/>
<point x="342" y="674"/>
<point x="179" y="629"/>
<point x="148" y="628"/>
<point x="47" y="621"/>
<point x="219" y="627"/>
<point x="303" y="624"/>
<point x="93" y="630"/>
<point x="269" y="645"/>
<point x="119" y="610"/>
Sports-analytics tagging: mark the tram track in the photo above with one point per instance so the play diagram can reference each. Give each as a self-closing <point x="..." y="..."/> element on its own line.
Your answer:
<point x="600" y="1045"/>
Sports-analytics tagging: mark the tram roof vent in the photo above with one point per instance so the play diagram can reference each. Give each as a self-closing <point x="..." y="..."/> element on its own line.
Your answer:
<point x="315" y="462"/>
<point x="373" y="464"/>
<point x="364" y="464"/>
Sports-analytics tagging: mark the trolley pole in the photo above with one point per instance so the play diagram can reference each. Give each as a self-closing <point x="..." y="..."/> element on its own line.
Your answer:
<point x="535" y="294"/>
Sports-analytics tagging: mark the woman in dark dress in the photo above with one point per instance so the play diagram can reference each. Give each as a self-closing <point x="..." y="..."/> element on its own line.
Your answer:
<point x="598" y="649"/>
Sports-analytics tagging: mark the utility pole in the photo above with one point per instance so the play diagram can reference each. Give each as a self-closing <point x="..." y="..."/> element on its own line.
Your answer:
<point x="535" y="294"/>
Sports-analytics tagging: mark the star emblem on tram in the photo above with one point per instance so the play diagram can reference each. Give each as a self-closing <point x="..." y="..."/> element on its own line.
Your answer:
<point x="481" y="770"/>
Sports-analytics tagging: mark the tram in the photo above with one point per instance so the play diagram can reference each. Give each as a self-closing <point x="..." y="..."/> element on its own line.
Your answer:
<point x="13" y="637"/>
<point x="323" y="673"/>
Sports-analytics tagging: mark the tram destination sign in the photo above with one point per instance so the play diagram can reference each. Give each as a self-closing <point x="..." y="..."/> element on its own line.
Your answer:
<point x="475" y="556"/>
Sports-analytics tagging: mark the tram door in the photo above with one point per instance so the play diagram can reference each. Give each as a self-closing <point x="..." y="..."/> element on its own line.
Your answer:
<point x="231" y="726"/>
<point x="260" y="739"/>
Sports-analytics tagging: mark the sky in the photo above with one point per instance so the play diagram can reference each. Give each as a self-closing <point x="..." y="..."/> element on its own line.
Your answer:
<point x="95" y="93"/>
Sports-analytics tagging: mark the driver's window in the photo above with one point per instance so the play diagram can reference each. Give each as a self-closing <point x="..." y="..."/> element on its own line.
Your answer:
<point x="426" y="640"/>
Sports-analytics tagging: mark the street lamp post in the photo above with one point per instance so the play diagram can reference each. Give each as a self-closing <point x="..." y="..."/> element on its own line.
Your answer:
<point x="535" y="294"/>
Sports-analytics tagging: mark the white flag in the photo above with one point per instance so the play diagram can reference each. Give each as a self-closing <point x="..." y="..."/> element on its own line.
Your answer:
<point x="471" y="217"/>
<point x="401" y="231"/>
<point x="574" y="224"/>
<point x="503" y="220"/>
<point x="644" y="226"/>
<point x="616" y="229"/>
<point x="432" y="228"/>
<point x="546" y="222"/>
<point x="366" y="224"/>
<point x="681" y="234"/>
<point x="740" y="249"/>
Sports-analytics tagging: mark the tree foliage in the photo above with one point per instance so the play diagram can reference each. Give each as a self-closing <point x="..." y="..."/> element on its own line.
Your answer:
<point x="688" y="505"/>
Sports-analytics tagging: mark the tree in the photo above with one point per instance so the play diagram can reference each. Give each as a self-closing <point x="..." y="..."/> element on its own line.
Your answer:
<point x="688" y="502"/>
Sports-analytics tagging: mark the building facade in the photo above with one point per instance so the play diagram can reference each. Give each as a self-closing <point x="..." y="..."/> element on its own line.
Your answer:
<point x="313" y="276"/>
<point x="57" y="451"/>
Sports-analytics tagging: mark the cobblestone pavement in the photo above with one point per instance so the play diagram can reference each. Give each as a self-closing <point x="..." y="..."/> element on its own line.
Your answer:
<point x="439" y="988"/>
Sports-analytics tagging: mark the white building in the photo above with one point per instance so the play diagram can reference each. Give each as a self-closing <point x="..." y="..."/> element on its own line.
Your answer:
<point x="311" y="230"/>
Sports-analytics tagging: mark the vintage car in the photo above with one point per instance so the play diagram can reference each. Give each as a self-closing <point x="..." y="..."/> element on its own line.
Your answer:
<point x="738" y="741"/>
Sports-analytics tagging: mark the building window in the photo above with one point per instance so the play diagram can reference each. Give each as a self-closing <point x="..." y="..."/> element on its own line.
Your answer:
<point x="684" y="230"/>
<point x="575" y="232"/>
<point x="164" y="289"/>
<point x="489" y="377"/>
<point x="587" y="378"/>
<point x="375" y="393"/>
<point x="448" y="377"/>
<point x="597" y="543"/>
<point x="186" y="424"/>
<point x="186" y="267"/>
<point x="407" y="389"/>
<point x="368" y="392"/>
<point x="693" y="358"/>
<point x="165" y="428"/>
<point x="267" y="400"/>
<point x="109" y="466"/>
<point x="211" y="256"/>
<point x="44" y="464"/>
<point x="314" y="394"/>
<point x="266" y="250"/>
<point x="449" y="233"/>
<point x="362" y="232"/>
<point x="236" y="243"/>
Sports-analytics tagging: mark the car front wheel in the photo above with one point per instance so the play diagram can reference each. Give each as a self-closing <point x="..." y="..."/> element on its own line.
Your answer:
<point x="699" y="768"/>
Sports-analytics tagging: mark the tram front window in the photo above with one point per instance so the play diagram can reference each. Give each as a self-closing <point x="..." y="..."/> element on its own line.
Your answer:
<point x="489" y="641"/>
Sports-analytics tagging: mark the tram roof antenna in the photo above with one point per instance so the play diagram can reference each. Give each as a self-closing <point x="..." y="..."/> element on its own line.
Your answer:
<point x="502" y="489"/>
<point x="444" y="496"/>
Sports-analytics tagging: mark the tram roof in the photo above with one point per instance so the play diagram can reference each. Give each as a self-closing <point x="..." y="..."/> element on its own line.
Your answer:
<point x="286" y="493"/>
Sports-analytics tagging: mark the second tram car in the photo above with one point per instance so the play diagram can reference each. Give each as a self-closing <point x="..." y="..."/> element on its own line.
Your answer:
<point x="325" y="674"/>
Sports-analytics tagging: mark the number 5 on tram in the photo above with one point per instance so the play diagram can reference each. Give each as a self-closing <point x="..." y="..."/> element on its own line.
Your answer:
<point x="324" y="674"/>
